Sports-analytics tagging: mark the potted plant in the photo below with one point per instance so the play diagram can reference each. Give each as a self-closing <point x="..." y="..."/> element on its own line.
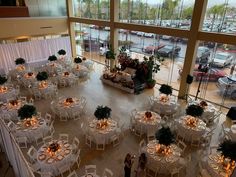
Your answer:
<point x="41" y="76"/>
<point x="165" y="136"/>
<point x="27" y="111"/>
<point x="194" y="110"/>
<point x="166" y="89"/>
<point x="52" y="58"/>
<point x="102" y="112"/>
<point x="61" y="52"/>
<point x="3" y="80"/>
<point x="111" y="56"/>
<point x="228" y="149"/>
<point x="20" y="61"/>
<point x="78" y="60"/>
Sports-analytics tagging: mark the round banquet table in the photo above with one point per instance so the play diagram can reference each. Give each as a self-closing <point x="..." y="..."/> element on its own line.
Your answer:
<point x="80" y="70"/>
<point x="160" y="160"/>
<point x="53" y="161"/>
<point x="47" y="88"/>
<point x="28" y="78"/>
<point x="68" y="77"/>
<point x="164" y="103"/>
<point x="90" y="175"/>
<point x="147" y="123"/>
<point x="215" y="168"/>
<point x="10" y="109"/>
<point x="101" y="134"/>
<point x="192" y="132"/>
<point x="7" y="92"/>
<point x="32" y="131"/>
<point x="69" y="107"/>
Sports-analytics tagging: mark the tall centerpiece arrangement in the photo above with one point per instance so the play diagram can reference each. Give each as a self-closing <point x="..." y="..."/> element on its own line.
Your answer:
<point x="20" y="61"/>
<point x="194" y="110"/>
<point x="61" y="52"/>
<point x="77" y="60"/>
<point x="52" y="58"/>
<point x="3" y="80"/>
<point x="110" y="57"/>
<point x="27" y="111"/>
<point x="228" y="155"/>
<point x="102" y="113"/>
<point x="42" y="77"/>
<point x="166" y="89"/>
<point x="20" y="64"/>
<point x="165" y="138"/>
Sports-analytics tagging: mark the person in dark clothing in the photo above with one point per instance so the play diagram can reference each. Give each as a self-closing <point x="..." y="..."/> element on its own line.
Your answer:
<point x="128" y="164"/>
<point x="141" y="170"/>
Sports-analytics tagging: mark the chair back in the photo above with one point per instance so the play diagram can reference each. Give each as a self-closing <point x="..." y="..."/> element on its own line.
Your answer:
<point x="90" y="169"/>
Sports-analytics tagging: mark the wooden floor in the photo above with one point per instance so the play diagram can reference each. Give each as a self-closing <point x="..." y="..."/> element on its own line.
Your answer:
<point x="121" y="104"/>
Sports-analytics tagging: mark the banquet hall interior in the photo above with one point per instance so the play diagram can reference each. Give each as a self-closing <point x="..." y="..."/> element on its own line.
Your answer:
<point x="90" y="87"/>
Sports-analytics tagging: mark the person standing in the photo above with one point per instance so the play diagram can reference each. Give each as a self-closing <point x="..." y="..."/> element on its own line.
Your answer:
<point x="141" y="170"/>
<point x="128" y="165"/>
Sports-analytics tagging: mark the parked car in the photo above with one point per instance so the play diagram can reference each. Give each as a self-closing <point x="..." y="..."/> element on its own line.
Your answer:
<point x="169" y="51"/>
<point x="140" y="33"/>
<point x="222" y="59"/>
<point x="227" y="86"/>
<point x="104" y="50"/>
<point x="165" y="37"/>
<point x="203" y="54"/>
<point x="148" y="35"/>
<point x="153" y="49"/>
<point x="213" y="74"/>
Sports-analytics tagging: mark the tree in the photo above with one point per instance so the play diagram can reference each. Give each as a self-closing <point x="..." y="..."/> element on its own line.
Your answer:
<point x="168" y="8"/>
<point x="216" y="11"/>
<point x="88" y="13"/>
<point x="187" y="13"/>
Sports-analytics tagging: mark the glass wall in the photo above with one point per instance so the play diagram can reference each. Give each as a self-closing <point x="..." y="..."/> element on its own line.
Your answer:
<point x="215" y="75"/>
<point x="92" y="41"/>
<point x="166" y="13"/>
<point x="220" y="17"/>
<point x="94" y="9"/>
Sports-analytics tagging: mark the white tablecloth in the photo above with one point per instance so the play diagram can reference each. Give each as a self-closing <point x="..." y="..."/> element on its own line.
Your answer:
<point x="31" y="131"/>
<point x="214" y="168"/>
<point x="80" y="70"/>
<point x="63" y="77"/>
<point x="9" y="93"/>
<point x="51" y="163"/>
<point x="191" y="132"/>
<point x="69" y="108"/>
<point x="28" y="79"/>
<point x="167" y="162"/>
<point x="147" y="123"/>
<point x="48" y="88"/>
<point x="102" y="133"/>
<point x="53" y="68"/>
<point x="8" y="110"/>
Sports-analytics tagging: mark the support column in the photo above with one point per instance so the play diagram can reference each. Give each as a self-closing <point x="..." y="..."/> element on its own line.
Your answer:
<point x="71" y="28"/>
<point x="189" y="62"/>
<point x="114" y="35"/>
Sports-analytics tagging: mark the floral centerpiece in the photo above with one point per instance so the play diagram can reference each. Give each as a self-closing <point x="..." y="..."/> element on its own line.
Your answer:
<point x="78" y="60"/>
<point x="191" y="121"/>
<point x="165" y="138"/>
<point x="68" y="101"/>
<point x="148" y="115"/>
<point x="61" y="52"/>
<point x="3" y="80"/>
<point x="203" y="104"/>
<point x="41" y="76"/>
<point x="228" y="152"/>
<point x="194" y="110"/>
<point x="102" y="112"/>
<point x="20" y="61"/>
<point x="27" y="111"/>
<point x="13" y="102"/>
<point x="53" y="148"/>
<point x="166" y="89"/>
<point x="52" y="58"/>
<point x="66" y="73"/>
<point x="30" y="74"/>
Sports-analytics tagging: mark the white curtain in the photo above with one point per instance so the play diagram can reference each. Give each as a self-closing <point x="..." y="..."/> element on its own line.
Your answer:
<point x="13" y="153"/>
<point x="32" y="51"/>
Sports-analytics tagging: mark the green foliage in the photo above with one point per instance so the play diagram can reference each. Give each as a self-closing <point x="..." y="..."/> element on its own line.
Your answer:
<point x="52" y="58"/>
<point x="102" y="112"/>
<point x="165" y="136"/>
<point x="166" y="89"/>
<point x="194" y="110"/>
<point x="42" y="76"/>
<point x="78" y="60"/>
<point x="61" y="52"/>
<point x="110" y="54"/>
<point x="3" y="80"/>
<point x="20" y="61"/>
<point x="228" y="149"/>
<point x="27" y="111"/>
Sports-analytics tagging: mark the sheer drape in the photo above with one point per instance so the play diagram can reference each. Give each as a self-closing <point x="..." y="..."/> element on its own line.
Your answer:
<point x="13" y="152"/>
<point x="32" y="51"/>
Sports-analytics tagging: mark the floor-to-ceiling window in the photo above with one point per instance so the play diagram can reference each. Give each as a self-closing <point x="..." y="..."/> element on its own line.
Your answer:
<point x="164" y="28"/>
